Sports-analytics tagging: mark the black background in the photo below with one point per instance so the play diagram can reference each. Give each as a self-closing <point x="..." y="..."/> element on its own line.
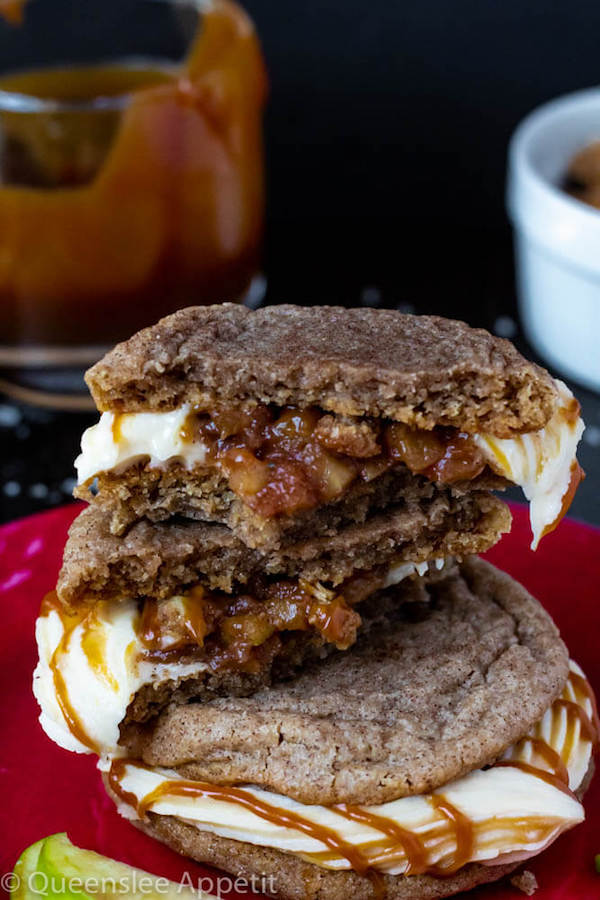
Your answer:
<point x="387" y="134"/>
<point x="386" y="139"/>
<point x="386" y="131"/>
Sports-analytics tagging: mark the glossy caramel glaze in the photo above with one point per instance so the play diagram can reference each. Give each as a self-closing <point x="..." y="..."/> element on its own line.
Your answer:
<point x="148" y="205"/>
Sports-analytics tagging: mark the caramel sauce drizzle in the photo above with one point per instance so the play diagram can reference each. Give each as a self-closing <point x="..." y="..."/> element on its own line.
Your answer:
<point x="411" y="844"/>
<point x="284" y="818"/>
<point x="588" y="730"/>
<point x="93" y="644"/>
<point x="463" y="831"/>
<point x="550" y="756"/>
<point x="549" y="777"/>
<point x="51" y="603"/>
<point x="577" y="476"/>
<point x="582" y="686"/>
<point x="398" y="843"/>
<point x="116" y="774"/>
<point x="117" y="427"/>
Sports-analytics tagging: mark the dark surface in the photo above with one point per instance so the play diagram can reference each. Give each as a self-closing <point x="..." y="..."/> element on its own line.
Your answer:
<point x="386" y="142"/>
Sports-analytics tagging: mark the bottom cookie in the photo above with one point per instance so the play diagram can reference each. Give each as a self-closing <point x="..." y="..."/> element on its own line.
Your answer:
<point x="290" y="878"/>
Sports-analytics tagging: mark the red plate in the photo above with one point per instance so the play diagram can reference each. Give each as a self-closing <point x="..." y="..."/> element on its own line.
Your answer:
<point x="45" y="789"/>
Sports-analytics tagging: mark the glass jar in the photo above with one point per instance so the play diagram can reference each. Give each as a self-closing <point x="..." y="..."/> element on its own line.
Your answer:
<point x="131" y="177"/>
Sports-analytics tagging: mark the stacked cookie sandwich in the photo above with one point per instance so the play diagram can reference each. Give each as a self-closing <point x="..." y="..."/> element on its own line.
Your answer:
<point x="270" y="624"/>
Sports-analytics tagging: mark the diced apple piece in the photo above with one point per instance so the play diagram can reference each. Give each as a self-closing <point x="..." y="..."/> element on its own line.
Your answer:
<point x="416" y="448"/>
<point x="337" y="475"/>
<point x="294" y="428"/>
<point x="248" y="629"/>
<point x="373" y="468"/>
<point x="461" y="461"/>
<point x="247" y="474"/>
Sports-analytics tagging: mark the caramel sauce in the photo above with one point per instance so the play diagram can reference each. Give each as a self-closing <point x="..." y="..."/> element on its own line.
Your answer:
<point x="549" y="777"/>
<point x="582" y="686"/>
<point x="502" y="459"/>
<point x="12" y="11"/>
<point x="577" y="476"/>
<point x="51" y="603"/>
<point x="587" y="727"/>
<point x="117" y="427"/>
<point x="463" y="831"/>
<point x="570" y="412"/>
<point x="115" y="776"/>
<point x="70" y="621"/>
<point x="283" y="818"/>
<point x="93" y="644"/>
<point x="73" y="721"/>
<point x="146" y="208"/>
<point x="551" y="757"/>
<point x="410" y="843"/>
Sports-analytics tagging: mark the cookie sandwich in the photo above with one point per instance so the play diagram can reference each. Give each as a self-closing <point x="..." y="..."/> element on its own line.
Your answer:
<point x="271" y="625"/>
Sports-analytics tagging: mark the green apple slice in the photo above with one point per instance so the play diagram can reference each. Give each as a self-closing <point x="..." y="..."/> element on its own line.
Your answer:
<point x="76" y="874"/>
<point x="24" y="871"/>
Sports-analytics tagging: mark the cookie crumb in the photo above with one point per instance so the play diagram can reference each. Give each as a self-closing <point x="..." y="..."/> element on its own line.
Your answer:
<point x="526" y="882"/>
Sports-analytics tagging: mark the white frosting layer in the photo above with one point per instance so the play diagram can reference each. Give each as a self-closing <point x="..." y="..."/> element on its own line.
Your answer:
<point x="156" y="436"/>
<point x="540" y="462"/>
<point x="98" y="695"/>
<point x="514" y="813"/>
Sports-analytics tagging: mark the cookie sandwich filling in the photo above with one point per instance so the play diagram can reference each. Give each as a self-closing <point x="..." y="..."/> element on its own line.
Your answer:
<point x="504" y="813"/>
<point x="94" y="660"/>
<point x="280" y="461"/>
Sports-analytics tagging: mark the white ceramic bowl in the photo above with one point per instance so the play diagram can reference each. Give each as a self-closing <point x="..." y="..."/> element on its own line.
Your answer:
<point x="557" y="238"/>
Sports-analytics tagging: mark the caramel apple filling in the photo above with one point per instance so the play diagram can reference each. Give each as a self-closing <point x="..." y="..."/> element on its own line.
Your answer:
<point x="227" y="630"/>
<point x="282" y="461"/>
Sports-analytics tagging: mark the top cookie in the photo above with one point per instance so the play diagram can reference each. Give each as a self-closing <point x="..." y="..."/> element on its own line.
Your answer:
<point x="421" y="370"/>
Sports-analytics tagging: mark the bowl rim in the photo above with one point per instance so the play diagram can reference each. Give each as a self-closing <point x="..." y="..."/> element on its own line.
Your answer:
<point x="520" y="164"/>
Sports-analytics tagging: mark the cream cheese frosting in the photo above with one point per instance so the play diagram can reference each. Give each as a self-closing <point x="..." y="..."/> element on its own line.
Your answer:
<point x="99" y="663"/>
<point x="540" y="462"/>
<point x="117" y="442"/>
<point x="507" y="812"/>
<point x="99" y="668"/>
